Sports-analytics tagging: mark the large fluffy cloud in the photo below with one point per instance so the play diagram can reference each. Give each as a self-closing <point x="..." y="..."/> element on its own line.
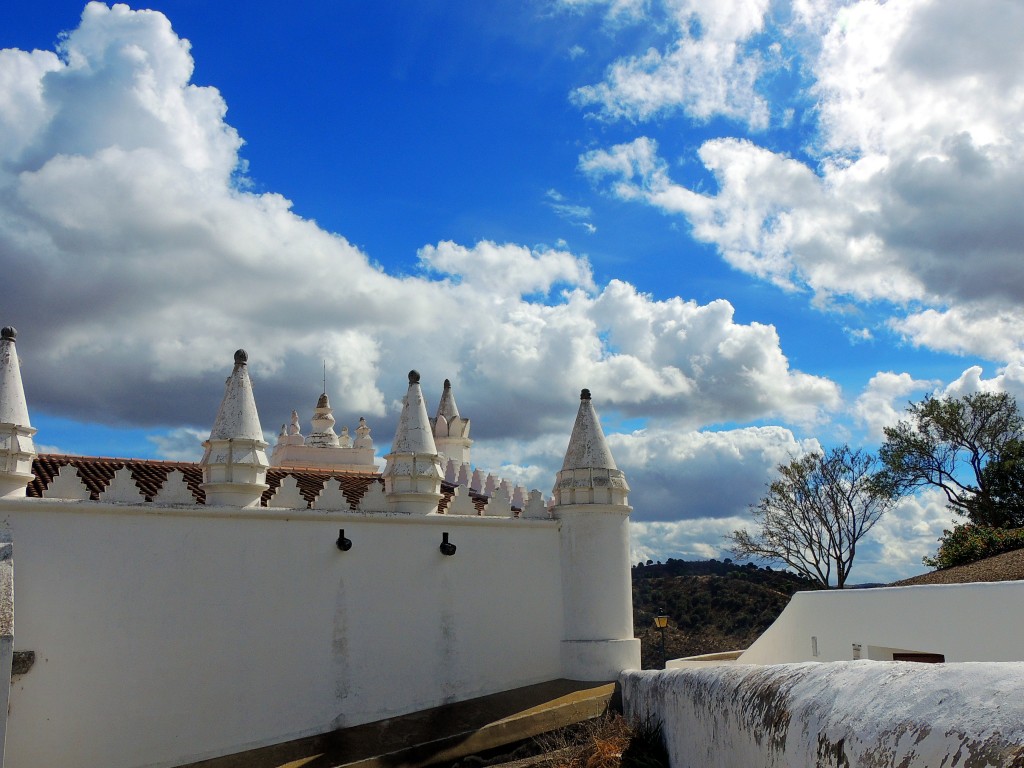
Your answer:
<point x="915" y="198"/>
<point x="136" y="261"/>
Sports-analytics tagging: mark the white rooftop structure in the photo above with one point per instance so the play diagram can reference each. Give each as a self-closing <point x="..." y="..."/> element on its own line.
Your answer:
<point x="235" y="460"/>
<point x="589" y="474"/>
<point x="16" y="447"/>
<point x="451" y="431"/>
<point x="323" y="448"/>
<point x="413" y="474"/>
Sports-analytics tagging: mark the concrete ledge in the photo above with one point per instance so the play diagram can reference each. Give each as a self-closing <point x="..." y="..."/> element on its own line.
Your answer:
<point x="704" y="660"/>
<point x="438" y="735"/>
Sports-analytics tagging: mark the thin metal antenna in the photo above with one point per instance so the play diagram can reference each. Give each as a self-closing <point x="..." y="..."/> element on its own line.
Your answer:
<point x="325" y="377"/>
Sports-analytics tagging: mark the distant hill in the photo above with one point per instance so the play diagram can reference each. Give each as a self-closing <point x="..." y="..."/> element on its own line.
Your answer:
<point x="712" y="605"/>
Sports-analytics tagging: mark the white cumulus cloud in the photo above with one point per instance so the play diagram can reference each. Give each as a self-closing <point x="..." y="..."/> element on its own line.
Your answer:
<point x="707" y="70"/>
<point x="136" y="261"/>
<point x="913" y="201"/>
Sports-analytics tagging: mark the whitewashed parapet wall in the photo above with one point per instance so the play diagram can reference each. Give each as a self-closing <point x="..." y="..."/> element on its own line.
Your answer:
<point x="857" y="713"/>
<point x="167" y="635"/>
<point x="955" y="621"/>
<point x="170" y="633"/>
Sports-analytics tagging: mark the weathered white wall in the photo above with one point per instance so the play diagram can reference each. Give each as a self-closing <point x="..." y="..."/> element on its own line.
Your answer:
<point x="595" y="563"/>
<point x="956" y="620"/>
<point x="858" y="713"/>
<point x="164" y="635"/>
<point x="6" y="630"/>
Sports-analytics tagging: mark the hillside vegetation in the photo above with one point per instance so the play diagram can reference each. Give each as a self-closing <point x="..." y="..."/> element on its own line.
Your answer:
<point x="712" y="605"/>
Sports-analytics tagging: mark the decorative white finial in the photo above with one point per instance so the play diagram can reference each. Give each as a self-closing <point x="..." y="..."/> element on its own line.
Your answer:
<point x="363" y="439"/>
<point x="412" y="474"/>
<point x="16" y="448"/>
<point x="451" y="431"/>
<point x="294" y="431"/>
<point x="589" y="474"/>
<point x="235" y="460"/>
<point x="323" y="434"/>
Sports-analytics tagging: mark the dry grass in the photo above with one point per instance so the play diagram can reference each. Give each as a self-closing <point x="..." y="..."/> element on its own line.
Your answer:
<point x="609" y="741"/>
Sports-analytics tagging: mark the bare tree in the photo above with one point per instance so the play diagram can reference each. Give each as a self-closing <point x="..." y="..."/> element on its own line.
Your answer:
<point x="815" y="513"/>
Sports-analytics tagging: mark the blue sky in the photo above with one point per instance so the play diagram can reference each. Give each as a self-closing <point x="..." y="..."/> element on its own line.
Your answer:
<point x="750" y="227"/>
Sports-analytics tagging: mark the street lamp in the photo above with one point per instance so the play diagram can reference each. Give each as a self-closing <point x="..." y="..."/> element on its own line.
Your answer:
<point x="661" y="621"/>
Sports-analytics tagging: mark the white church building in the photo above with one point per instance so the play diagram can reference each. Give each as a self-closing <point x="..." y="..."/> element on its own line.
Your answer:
<point x="160" y="613"/>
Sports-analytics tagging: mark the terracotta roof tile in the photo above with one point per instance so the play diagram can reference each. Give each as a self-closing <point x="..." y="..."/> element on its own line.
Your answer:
<point x="97" y="472"/>
<point x="311" y="482"/>
<point x="150" y="475"/>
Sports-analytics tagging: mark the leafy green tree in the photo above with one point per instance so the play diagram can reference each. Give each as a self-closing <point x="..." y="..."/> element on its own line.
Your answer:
<point x="1003" y="478"/>
<point x="815" y="513"/>
<point x="969" y="543"/>
<point x="970" y="447"/>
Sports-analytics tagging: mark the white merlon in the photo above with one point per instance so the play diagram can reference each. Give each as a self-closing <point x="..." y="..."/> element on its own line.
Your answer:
<point x="464" y="474"/>
<point x="589" y="474"/>
<point x="476" y="482"/>
<point x="288" y="495"/>
<point x="451" y="472"/>
<point x="175" y="490"/>
<point x="519" y="497"/>
<point x="332" y="497"/>
<point x="67" y="484"/>
<point x="122" y="488"/>
<point x="16" y="447"/>
<point x="461" y="503"/>
<point x="235" y="460"/>
<point x="373" y="499"/>
<point x="412" y="472"/>
<point x="490" y="484"/>
<point x="499" y="505"/>
<point x="536" y="508"/>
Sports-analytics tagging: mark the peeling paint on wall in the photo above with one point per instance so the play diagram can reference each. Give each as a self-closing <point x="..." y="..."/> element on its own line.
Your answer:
<point x="843" y="714"/>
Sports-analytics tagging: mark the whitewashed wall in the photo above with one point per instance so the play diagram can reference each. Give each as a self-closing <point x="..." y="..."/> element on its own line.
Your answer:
<point x="858" y="713"/>
<point x="164" y="635"/>
<point x="964" y="622"/>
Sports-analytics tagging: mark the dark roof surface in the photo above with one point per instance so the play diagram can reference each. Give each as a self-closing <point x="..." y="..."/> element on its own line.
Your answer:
<point x="150" y="475"/>
<point x="1008" y="566"/>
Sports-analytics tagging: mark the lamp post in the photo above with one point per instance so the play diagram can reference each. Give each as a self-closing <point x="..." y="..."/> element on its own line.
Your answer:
<point x="661" y="621"/>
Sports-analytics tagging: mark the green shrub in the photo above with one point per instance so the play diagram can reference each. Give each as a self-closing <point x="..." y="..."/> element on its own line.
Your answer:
<point x="970" y="542"/>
